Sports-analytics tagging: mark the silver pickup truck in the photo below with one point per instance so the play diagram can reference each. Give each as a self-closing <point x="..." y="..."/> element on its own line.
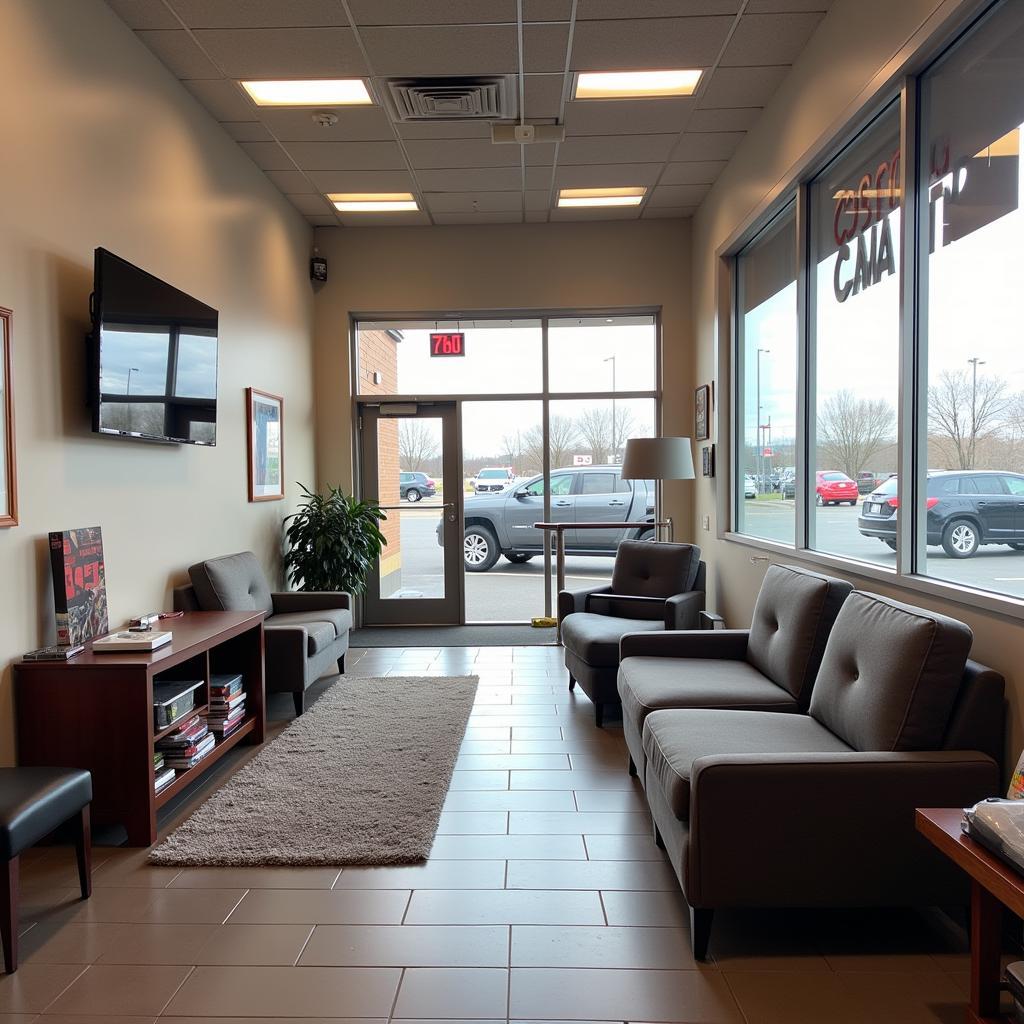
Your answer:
<point x="502" y="524"/>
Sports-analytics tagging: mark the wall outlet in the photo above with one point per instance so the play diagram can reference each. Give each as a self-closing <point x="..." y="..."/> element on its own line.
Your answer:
<point x="706" y="522"/>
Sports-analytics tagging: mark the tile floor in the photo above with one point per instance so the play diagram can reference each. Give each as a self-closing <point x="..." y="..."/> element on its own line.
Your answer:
<point x="544" y="899"/>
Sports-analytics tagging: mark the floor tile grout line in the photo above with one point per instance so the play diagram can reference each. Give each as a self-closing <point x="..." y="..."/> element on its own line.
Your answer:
<point x="295" y="962"/>
<point x="408" y="904"/>
<point x="398" y="990"/>
<point x="177" y="989"/>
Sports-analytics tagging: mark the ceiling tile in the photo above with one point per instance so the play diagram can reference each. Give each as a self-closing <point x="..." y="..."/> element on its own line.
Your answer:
<point x="588" y="9"/>
<point x="461" y="153"/>
<point x="292" y="182"/>
<point x="707" y="145"/>
<point x="283" y="53"/>
<point x="142" y="14"/>
<point x="730" y="119"/>
<point x="259" y="13"/>
<point x="596" y="213"/>
<point x="678" y="195"/>
<point x="611" y="149"/>
<point x="471" y="179"/>
<point x="431" y="12"/>
<point x="346" y="156"/>
<point x="536" y="216"/>
<point x="445" y="50"/>
<point x="247" y="131"/>
<point x="543" y="95"/>
<point x="539" y="177"/>
<point x="776" y="6"/>
<point x="355" y="124"/>
<point x="626" y="117"/>
<point x="607" y="176"/>
<point x="474" y="202"/>
<point x="693" y="172"/>
<point x="312" y="205"/>
<point x="544" y="48"/>
<point x="268" y="155"/>
<point x="176" y="49"/>
<point x="444" y="129"/>
<point x="648" y="43"/>
<point x="769" y="39"/>
<point x="540" y="155"/>
<point x="223" y="98"/>
<point x="360" y="181"/>
<point x="667" y="212"/>
<point x="546" y="10"/>
<point x="384" y="220"/>
<point x="537" y="199"/>
<point x="478" y="218"/>
<point x="742" y="87"/>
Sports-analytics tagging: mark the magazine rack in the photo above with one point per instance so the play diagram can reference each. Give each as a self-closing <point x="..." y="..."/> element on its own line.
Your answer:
<point x="96" y="712"/>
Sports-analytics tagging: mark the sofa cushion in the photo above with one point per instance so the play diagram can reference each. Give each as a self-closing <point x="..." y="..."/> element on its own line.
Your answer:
<point x="320" y="633"/>
<point x="647" y="684"/>
<point x="594" y="638"/>
<point x="649" y="568"/>
<point x="232" y="583"/>
<point x="34" y="801"/>
<point x="339" y="618"/>
<point x="675" y="739"/>
<point x="792" y="619"/>
<point x="890" y="674"/>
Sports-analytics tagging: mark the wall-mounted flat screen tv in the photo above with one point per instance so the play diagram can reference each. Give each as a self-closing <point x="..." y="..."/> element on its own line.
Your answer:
<point x="154" y="361"/>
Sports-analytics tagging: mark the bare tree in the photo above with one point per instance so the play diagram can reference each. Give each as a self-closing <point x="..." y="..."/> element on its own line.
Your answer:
<point x="417" y="444"/>
<point x="851" y="430"/>
<point x="962" y="412"/>
<point x="603" y="433"/>
<point x="563" y="440"/>
<point x="512" y="450"/>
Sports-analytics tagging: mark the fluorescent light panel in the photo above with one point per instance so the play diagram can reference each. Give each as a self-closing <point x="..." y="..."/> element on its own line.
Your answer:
<point x="373" y="202"/>
<point x="626" y="195"/>
<point x="617" y="85"/>
<point x="313" y="92"/>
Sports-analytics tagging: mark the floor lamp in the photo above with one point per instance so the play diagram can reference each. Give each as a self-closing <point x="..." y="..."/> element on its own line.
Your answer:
<point x="658" y="459"/>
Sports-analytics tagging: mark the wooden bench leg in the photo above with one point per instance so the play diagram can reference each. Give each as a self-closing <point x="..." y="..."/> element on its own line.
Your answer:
<point x="9" y="916"/>
<point x="83" y="849"/>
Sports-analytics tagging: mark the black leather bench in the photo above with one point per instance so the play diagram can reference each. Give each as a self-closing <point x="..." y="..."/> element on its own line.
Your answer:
<point x="33" y="803"/>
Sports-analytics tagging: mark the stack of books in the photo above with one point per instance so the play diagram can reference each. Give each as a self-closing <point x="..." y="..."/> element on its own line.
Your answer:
<point x="163" y="776"/>
<point x="227" y="704"/>
<point x="187" y="745"/>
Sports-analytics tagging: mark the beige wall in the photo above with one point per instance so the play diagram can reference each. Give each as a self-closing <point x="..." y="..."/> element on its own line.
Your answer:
<point x="102" y="146"/>
<point x="826" y="84"/>
<point x="522" y="266"/>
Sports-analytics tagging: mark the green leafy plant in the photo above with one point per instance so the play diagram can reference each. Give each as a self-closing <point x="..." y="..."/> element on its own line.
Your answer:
<point x="333" y="541"/>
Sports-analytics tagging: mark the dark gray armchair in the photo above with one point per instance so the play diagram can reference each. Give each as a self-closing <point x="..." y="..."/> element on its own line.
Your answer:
<point x="655" y="586"/>
<point x="305" y="633"/>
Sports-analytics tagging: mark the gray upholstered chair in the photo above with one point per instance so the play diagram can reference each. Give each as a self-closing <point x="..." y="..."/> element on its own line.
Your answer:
<point x="761" y="809"/>
<point x="305" y="633"/>
<point x="655" y="586"/>
<point x="769" y="667"/>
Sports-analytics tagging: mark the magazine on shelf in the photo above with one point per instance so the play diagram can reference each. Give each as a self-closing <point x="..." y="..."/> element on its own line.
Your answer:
<point x="57" y="652"/>
<point x="125" y="641"/>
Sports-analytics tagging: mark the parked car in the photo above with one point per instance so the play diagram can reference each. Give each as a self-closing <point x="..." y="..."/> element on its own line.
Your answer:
<point x="833" y="488"/>
<point x="749" y="487"/>
<point x="966" y="508"/>
<point x="503" y="523"/>
<point x="492" y="478"/>
<point x="867" y="481"/>
<point x="788" y="486"/>
<point x="414" y="486"/>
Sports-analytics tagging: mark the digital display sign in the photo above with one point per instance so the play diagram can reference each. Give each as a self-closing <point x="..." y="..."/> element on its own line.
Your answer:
<point x="448" y="344"/>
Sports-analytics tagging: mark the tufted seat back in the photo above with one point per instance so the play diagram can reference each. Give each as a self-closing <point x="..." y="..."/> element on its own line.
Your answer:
<point x="649" y="568"/>
<point x="792" y="619"/>
<point x="232" y="583"/>
<point x="890" y="675"/>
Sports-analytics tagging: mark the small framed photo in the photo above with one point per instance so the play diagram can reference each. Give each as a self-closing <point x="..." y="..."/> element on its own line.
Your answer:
<point x="266" y="445"/>
<point x="702" y="412"/>
<point x="708" y="455"/>
<point x="8" y="466"/>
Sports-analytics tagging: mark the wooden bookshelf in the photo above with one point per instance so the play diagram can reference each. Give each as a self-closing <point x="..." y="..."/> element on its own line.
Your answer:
<point x="96" y="712"/>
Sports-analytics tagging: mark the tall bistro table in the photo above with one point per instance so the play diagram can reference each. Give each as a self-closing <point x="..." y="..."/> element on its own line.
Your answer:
<point x="558" y="529"/>
<point x="994" y="885"/>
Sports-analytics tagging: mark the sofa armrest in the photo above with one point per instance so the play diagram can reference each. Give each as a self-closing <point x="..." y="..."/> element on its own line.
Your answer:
<point x="829" y="827"/>
<point x="570" y="601"/>
<point x="287" y="651"/>
<point x="710" y="620"/>
<point x="310" y="601"/>
<point x="682" y="611"/>
<point x="719" y="644"/>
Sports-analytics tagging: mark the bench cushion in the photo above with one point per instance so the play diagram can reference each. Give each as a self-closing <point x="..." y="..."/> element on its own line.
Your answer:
<point x="594" y="638"/>
<point x="320" y="631"/>
<point x="674" y="739"/>
<point x="34" y="801"/>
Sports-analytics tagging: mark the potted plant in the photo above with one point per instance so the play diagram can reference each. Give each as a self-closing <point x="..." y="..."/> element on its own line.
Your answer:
<point x="333" y="541"/>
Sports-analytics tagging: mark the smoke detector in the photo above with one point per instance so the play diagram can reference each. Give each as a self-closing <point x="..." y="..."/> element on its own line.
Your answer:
<point x="325" y="118"/>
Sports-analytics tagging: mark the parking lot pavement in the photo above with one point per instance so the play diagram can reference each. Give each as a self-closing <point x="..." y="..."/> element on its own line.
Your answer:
<point x="997" y="567"/>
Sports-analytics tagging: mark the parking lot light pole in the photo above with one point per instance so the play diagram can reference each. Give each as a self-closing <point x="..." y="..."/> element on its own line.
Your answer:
<point x="611" y="359"/>
<point x="975" y="363"/>
<point x="760" y="463"/>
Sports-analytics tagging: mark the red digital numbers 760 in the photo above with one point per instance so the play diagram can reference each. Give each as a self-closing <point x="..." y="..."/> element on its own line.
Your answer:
<point x="448" y="344"/>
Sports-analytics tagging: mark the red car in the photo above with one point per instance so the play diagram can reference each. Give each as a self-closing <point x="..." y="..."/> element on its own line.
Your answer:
<point x="833" y="488"/>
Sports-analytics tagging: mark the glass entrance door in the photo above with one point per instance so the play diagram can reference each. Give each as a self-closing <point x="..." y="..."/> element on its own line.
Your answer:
<point x="410" y="465"/>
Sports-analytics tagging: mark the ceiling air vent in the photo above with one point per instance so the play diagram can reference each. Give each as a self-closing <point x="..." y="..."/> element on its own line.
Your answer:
<point x="467" y="98"/>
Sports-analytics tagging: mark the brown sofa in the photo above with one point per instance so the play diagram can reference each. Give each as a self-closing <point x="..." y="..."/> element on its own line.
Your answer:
<point x="768" y="809"/>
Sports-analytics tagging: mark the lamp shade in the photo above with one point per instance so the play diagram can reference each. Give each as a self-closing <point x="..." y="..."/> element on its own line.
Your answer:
<point x="658" y="458"/>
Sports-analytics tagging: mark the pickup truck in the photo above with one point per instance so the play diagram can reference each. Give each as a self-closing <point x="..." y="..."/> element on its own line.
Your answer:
<point x="502" y="523"/>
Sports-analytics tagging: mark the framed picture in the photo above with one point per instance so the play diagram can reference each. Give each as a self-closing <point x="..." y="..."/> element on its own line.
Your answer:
<point x="701" y="412"/>
<point x="8" y="466"/>
<point x="708" y="453"/>
<point x="266" y="445"/>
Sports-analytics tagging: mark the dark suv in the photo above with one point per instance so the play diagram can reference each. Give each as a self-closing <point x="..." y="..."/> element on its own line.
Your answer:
<point x="414" y="486"/>
<point x="966" y="509"/>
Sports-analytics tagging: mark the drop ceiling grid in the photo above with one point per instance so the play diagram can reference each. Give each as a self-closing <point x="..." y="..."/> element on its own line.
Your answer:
<point x="675" y="148"/>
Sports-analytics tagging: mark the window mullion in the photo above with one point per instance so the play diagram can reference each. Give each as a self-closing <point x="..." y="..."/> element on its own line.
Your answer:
<point x="805" y="400"/>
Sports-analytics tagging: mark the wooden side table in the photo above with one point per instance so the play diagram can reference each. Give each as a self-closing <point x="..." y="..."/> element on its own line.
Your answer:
<point x="994" y="885"/>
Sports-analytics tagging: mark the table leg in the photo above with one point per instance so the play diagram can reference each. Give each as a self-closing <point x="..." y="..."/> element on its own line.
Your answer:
<point x="560" y="568"/>
<point x="986" y="951"/>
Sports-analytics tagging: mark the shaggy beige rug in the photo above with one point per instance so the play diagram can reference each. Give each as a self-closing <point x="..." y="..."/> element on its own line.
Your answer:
<point x="358" y="779"/>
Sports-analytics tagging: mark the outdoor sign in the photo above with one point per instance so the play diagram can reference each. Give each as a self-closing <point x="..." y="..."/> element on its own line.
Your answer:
<point x="448" y="344"/>
<point x="767" y="453"/>
<point x="583" y="460"/>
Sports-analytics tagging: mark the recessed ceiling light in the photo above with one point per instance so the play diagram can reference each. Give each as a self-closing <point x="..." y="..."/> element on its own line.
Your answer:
<point x="629" y="195"/>
<point x="617" y="85"/>
<point x="373" y="202"/>
<point x="313" y="92"/>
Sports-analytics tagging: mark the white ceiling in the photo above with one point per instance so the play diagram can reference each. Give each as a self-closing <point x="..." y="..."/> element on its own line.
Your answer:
<point x="676" y="147"/>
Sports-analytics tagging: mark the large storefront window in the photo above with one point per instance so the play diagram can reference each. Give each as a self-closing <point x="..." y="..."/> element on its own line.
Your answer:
<point x="766" y="315"/>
